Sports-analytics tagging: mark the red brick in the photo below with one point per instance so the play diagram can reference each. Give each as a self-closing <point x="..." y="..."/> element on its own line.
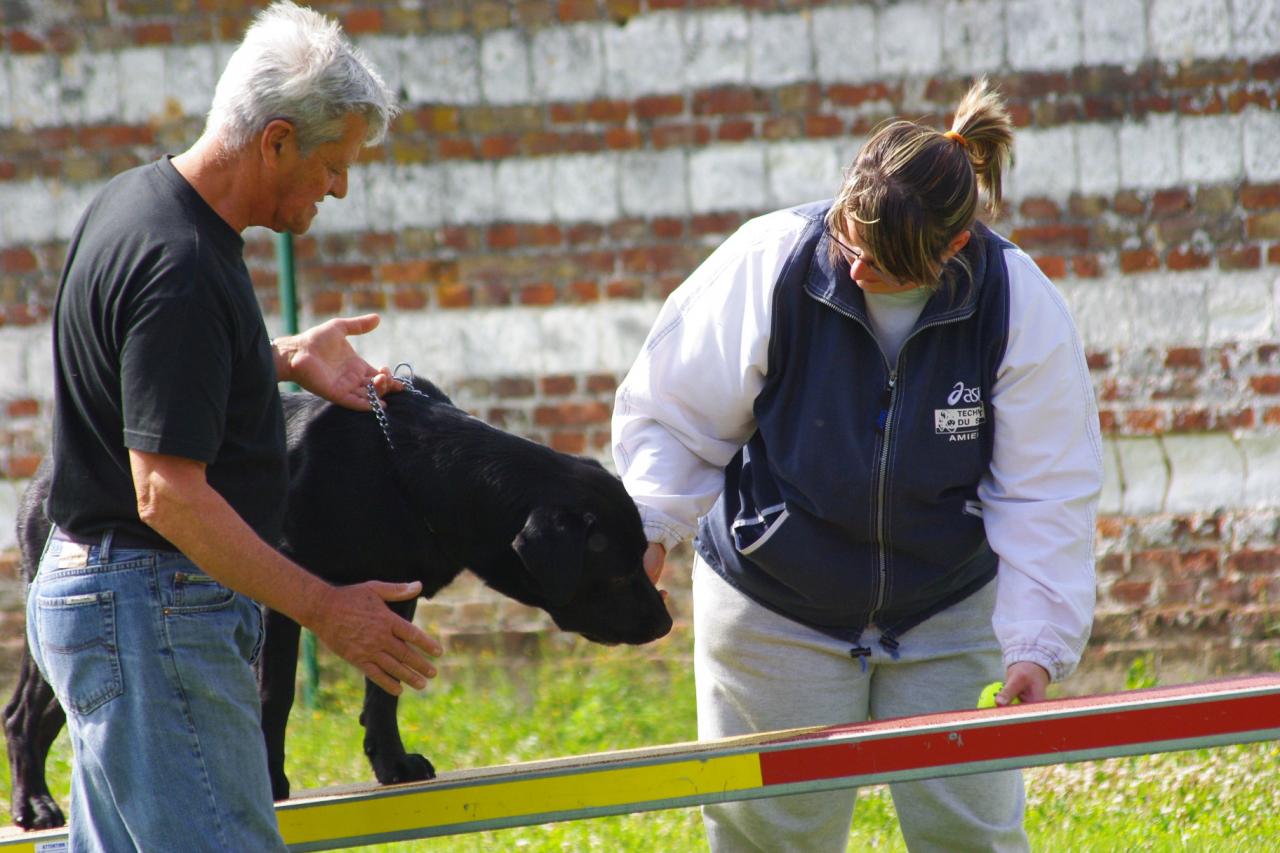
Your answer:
<point x="1131" y="592"/>
<point x="456" y="148"/>
<point x="1144" y="421"/>
<point x="1096" y="360"/>
<point x="680" y="135"/>
<point x="1254" y="562"/>
<point x="668" y="228"/>
<point x="1184" y="357"/>
<point x="602" y="383"/>
<point x="609" y="112"/>
<point x="1166" y="202"/>
<point x="715" y="223"/>
<point x="362" y="20"/>
<point x="326" y="302"/>
<point x="1051" y="236"/>
<point x="1190" y="420"/>
<point x="782" y="127"/>
<point x="368" y="300"/>
<point x="154" y="33"/>
<point x="1273" y="254"/>
<point x="1085" y="266"/>
<point x="558" y="386"/>
<point x="1138" y="260"/>
<point x="727" y="100"/>
<point x="572" y="414"/>
<point x="1260" y="196"/>
<point x="569" y="441"/>
<point x="405" y="272"/>
<point x="852" y="96"/>
<point x="621" y="138"/>
<point x="409" y="299"/>
<point x="1199" y="563"/>
<point x="19" y="260"/>
<point x="504" y="236"/>
<point x="1236" y="419"/>
<point x="1154" y="563"/>
<point x="1241" y="99"/>
<point x="1269" y="384"/>
<point x="584" y="233"/>
<point x="1130" y="203"/>
<point x="499" y="147"/>
<point x="542" y="293"/>
<point x="513" y="387"/>
<point x="1271" y="415"/>
<point x="659" y="106"/>
<point x="735" y="131"/>
<point x="583" y="291"/>
<point x="1040" y="208"/>
<point x="1053" y="266"/>
<point x="1111" y="564"/>
<point x="577" y="10"/>
<point x="821" y="126"/>
<point x="1239" y="257"/>
<point x="629" y="288"/>
<point x="1263" y="225"/>
<point x="454" y="296"/>
<point x="1186" y="258"/>
<point x="23" y="408"/>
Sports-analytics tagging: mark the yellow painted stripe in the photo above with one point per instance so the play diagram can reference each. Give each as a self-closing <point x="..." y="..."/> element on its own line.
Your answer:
<point x="573" y="791"/>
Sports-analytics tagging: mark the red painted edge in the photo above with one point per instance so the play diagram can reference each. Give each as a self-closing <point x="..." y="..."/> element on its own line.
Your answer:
<point x="1014" y="739"/>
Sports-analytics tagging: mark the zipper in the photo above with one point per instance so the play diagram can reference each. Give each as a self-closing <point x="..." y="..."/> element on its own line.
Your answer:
<point x="885" y="423"/>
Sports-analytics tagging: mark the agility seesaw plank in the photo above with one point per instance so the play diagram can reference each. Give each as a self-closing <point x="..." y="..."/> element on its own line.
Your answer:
<point x="1162" y="719"/>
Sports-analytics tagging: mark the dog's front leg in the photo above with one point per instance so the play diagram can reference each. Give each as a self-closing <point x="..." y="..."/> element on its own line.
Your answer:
<point x="277" y="669"/>
<point x="391" y="764"/>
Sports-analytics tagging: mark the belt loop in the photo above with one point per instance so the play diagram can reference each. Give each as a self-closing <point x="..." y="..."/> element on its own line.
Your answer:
<point x="105" y="554"/>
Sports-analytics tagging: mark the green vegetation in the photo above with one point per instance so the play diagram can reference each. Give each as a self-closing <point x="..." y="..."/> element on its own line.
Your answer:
<point x="581" y="699"/>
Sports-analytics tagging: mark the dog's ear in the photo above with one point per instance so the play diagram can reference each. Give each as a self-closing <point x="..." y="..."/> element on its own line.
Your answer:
<point x="550" y="546"/>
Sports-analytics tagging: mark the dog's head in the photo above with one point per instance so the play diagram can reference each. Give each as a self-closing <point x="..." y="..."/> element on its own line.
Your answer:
<point x="584" y="558"/>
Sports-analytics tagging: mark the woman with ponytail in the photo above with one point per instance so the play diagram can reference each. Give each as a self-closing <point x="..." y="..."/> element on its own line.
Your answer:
<point x="874" y="414"/>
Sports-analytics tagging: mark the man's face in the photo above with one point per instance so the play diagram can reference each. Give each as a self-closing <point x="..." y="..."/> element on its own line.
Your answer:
<point x="303" y="182"/>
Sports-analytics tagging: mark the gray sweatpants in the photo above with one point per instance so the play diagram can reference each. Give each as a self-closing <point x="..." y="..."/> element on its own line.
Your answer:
<point x="757" y="671"/>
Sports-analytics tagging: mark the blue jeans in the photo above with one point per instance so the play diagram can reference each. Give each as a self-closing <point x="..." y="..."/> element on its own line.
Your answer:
<point x="153" y="662"/>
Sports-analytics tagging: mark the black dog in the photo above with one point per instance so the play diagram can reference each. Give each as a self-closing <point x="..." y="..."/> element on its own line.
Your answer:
<point x="430" y="493"/>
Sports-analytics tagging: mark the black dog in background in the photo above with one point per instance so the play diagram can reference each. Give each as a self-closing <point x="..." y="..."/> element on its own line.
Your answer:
<point x="432" y="492"/>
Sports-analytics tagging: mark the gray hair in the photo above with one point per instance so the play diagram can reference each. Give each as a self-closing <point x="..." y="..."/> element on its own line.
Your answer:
<point x="296" y="64"/>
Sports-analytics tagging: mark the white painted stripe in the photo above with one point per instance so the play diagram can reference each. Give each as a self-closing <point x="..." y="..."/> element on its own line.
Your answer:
<point x="664" y="52"/>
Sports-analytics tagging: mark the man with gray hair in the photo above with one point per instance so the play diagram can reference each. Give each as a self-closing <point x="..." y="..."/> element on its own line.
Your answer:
<point x="169" y="457"/>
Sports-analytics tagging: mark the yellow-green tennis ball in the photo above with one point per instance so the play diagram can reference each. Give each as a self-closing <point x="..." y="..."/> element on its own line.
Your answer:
<point x="987" y="698"/>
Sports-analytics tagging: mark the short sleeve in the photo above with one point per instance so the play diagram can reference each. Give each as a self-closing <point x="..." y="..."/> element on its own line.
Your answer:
<point x="176" y="364"/>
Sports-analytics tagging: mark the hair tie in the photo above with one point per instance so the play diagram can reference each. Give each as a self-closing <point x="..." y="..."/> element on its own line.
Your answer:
<point x="955" y="137"/>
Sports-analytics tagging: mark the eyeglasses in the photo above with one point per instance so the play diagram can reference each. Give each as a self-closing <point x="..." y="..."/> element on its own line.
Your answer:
<point x="851" y="254"/>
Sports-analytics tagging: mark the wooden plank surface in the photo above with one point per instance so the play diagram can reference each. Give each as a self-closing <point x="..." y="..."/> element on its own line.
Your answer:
<point x="1162" y="719"/>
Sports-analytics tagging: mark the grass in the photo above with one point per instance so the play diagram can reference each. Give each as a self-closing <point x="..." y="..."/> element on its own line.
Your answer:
<point x="581" y="699"/>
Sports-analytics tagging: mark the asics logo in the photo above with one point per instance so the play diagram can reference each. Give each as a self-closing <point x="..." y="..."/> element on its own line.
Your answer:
<point x="962" y="394"/>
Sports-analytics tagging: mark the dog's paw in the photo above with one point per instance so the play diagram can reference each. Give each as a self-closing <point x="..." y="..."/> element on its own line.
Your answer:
<point x="38" y="812"/>
<point x="409" y="767"/>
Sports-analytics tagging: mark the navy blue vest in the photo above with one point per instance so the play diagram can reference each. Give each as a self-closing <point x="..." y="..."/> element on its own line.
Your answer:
<point x="855" y="502"/>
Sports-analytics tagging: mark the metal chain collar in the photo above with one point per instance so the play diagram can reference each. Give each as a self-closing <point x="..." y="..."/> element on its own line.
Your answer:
<point x="379" y="412"/>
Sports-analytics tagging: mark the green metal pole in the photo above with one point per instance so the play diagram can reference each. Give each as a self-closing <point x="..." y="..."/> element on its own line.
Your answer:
<point x="289" y="325"/>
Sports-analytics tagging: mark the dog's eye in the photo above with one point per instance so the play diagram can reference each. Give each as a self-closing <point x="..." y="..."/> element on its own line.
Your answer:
<point x="597" y="542"/>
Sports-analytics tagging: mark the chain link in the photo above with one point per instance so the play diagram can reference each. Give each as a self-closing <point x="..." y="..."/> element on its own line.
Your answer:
<point x="375" y="404"/>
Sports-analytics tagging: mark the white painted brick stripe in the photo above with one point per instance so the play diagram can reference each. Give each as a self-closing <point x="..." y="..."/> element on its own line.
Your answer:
<point x="664" y="52"/>
<point x="1160" y="151"/>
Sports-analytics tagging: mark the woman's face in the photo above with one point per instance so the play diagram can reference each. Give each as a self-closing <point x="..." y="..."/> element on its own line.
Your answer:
<point x="863" y="269"/>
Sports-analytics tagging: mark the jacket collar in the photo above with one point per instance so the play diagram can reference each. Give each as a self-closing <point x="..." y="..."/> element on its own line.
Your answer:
<point x="831" y="285"/>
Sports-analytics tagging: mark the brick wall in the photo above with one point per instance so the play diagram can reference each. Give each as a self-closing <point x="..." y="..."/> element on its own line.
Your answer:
<point x="560" y="166"/>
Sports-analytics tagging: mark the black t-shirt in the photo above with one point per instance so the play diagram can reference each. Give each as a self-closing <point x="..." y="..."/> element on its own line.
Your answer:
<point x="159" y="345"/>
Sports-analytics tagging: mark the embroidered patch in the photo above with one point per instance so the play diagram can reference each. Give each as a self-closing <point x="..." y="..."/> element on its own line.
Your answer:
<point x="958" y="424"/>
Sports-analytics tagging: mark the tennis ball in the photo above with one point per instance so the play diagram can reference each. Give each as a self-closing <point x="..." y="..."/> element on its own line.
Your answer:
<point x="987" y="698"/>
